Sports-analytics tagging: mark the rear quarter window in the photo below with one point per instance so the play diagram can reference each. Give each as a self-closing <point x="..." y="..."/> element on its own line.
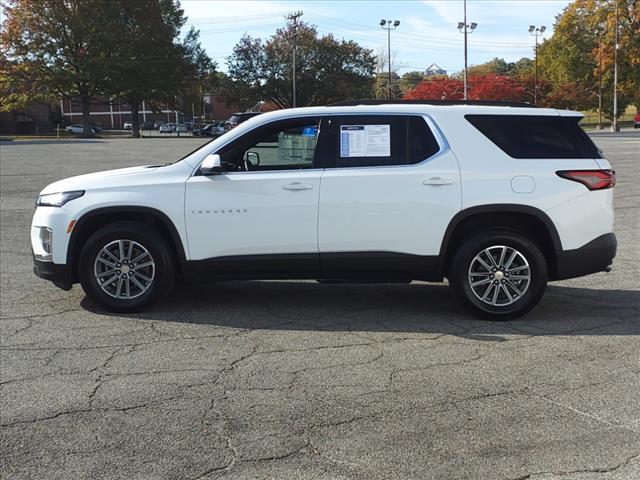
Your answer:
<point x="536" y="136"/>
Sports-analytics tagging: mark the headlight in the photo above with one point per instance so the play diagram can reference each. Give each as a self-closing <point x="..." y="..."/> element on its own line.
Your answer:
<point x="58" y="199"/>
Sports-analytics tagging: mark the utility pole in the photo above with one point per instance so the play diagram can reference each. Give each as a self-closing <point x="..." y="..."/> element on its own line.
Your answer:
<point x="537" y="32"/>
<point x="600" y="34"/>
<point x="293" y="18"/>
<point x="204" y="109"/>
<point x="466" y="29"/>
<point x="614" y="122"/>
<point x="388" y="25"/>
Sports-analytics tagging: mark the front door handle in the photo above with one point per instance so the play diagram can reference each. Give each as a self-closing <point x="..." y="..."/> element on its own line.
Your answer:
<point x="297" y="186"/>
<point x="437" y="181"/>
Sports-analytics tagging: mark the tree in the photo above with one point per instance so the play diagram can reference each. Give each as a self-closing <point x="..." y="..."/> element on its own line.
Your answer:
<point x="583" y="45"/>
<point x="153" y="62"/>
<point x="496" y="65"/>
<point x="440" y="88"/>
<point x="327" y="70"/>
<point x="381" y="88"/>
<point x="410" y="80"/>
<point x="495" y="87"/>
<point x="60" y="48"/>
<point x="481" y="87"/>
<point x="18" y="85"/>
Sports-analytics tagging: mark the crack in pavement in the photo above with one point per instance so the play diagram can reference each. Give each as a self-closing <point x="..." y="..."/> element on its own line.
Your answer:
<point x="586" y="470"/>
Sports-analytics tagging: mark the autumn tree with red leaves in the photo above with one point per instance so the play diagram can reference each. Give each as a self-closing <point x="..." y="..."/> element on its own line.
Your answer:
<point x="481" y="87"/>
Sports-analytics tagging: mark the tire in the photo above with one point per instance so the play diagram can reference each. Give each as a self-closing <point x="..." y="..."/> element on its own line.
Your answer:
<point x="514" y="297"/>
<point x="101" y="267"/>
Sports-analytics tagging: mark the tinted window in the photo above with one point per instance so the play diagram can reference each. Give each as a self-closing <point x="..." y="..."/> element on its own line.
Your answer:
<point x="536" y="136"/>
<point x="421" y="141"/>
<point x="375" y="140"/>
<point x="284" y="145"/>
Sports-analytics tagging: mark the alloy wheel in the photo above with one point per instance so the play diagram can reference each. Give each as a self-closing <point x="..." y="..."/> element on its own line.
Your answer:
<point x="124" y="269"/>
<point x="499" y="275"/>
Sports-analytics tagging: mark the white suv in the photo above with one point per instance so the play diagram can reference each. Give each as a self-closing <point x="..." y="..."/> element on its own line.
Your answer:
<point x="497" y="199"/>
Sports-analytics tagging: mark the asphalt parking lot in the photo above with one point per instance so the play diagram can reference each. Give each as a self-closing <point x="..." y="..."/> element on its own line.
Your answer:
<point x="298" y="380"/>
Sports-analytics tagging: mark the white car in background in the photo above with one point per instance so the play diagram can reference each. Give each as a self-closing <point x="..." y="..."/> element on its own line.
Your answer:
<point x="167" y="128"/>
<point x="497" y="198"/>
<point x="77" y="128"/>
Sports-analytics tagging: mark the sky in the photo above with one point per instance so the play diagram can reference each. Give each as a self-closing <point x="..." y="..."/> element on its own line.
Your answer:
<point x="427" y="33"/>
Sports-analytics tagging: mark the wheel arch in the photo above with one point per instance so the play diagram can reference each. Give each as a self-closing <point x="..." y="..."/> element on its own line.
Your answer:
<point x="91" y="221"/>
<point x="526" y="219"/>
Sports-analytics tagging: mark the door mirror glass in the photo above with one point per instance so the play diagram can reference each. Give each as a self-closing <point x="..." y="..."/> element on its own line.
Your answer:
<point x="253" y="158"/>
<point x="211" y="165"/>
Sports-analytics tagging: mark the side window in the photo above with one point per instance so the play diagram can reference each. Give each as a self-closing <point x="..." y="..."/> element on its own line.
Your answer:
<point x="422" y="143"/>
<point x="284" y="145"/>
<point x="536" y="136"/>
<point x="375" y="140"/>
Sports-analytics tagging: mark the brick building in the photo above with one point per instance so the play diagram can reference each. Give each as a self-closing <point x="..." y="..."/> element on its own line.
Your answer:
<point x="36" y="119"/>
<point x="113" y="114"/>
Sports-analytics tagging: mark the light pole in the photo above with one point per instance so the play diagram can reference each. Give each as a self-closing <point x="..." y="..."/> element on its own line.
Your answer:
<point x="536" y="32"/>
<point x="614" y="121"/>
<point x="466" y="29"/>
<point x="600" y="32"/>
<point x="388" y="25"/>
<point x="293" y="18"/>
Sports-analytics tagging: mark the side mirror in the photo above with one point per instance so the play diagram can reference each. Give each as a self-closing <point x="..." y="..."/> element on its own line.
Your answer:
<point x="211" y="165"/>
<point x="254" y="158"/>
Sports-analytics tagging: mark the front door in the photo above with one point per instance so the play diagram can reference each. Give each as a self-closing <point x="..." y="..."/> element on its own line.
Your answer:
<point x="261" y="215"/>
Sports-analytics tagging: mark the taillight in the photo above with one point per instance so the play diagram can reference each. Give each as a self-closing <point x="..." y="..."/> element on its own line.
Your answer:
<point x="592" y="179"/>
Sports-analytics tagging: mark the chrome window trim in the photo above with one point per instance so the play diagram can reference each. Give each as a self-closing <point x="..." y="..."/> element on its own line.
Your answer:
<point x="433" y="126"/>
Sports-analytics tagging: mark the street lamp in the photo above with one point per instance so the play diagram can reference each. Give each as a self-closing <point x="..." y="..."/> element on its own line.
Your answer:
<point x="614" y="120"/>
<point x="600" y="30"/>
<point x="537" y="32"/>
<point x="466" y="29"/>
<point x="388" y="25"/>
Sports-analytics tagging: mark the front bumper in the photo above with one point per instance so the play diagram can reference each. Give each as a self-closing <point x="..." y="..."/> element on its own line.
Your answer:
<point x="595" y="256"/>
<point x="60" y="275"/>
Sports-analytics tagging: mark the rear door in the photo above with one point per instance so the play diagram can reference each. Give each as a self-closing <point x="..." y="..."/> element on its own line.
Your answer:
<point x="387" y="197"/>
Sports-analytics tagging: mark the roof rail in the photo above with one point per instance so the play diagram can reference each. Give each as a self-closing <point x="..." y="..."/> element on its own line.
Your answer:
<point x="486" y="103"/>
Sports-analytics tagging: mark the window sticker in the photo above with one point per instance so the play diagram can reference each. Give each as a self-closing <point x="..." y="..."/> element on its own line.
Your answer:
<point x="365" y="141"/>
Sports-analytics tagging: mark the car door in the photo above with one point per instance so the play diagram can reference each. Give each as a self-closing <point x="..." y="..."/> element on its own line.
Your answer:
<point x="388" y="198"/>
<point x="259" y="217"/>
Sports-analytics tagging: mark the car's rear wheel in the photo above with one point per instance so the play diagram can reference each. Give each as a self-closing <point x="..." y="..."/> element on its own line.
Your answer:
<point x="498" y="274"/>
<point x="126" y="267"/>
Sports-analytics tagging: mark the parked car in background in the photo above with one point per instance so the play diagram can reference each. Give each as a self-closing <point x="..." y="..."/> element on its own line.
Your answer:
<point x="219" y="127"/>
<point x="127" y="125"/>
<point x="77" y="128"/>
<point x="237" y="118"/>
<point x="210" y="130"/>
<point x="157" y="125"/>
<point x="497" y="199"/>
<point x="167" y="127"/>
<point x="181" y="128"/>
<point x="636" y="120"/>
<point x="189" y="126"/>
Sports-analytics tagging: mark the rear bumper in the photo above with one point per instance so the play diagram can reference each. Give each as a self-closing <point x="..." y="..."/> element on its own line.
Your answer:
<point x="60" y="275"/>
<point x="595" y="256"/>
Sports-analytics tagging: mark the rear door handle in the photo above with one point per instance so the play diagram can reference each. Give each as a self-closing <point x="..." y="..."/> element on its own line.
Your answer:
<point x="437" y="181"/>
<point x="297" y="186"/>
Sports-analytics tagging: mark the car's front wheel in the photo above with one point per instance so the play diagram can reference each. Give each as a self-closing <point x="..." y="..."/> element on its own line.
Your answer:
<point x="126" y="267"/>
<point x="498" y="274"/>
